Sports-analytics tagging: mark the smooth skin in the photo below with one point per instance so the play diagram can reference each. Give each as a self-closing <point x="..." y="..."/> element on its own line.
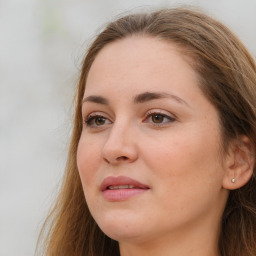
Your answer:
<point x="146" y="118"/>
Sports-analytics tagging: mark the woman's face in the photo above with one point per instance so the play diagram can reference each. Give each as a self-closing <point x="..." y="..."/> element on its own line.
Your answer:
<point x="149" y="153"/>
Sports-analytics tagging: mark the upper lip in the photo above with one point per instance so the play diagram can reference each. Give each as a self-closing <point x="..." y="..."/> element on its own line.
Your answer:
<point x="121" y="180"/>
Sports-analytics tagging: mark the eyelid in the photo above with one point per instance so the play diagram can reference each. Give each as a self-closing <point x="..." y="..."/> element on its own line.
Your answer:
<point x="92" y="115"/>
<point x="166" y="114"/>
<point x="162" y="112"/>
<point x="96" y="113"/>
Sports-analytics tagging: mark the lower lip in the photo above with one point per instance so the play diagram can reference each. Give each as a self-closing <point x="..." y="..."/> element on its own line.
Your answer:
<point x="115" y="195"/>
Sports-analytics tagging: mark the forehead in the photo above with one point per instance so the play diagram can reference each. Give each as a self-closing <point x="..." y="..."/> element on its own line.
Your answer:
<point x="139" y="64"/>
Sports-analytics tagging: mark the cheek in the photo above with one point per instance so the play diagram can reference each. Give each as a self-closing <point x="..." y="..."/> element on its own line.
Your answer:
<point x="187" y="175"/>
<point x="185" y="161"/>
<point x="88" y="160"/>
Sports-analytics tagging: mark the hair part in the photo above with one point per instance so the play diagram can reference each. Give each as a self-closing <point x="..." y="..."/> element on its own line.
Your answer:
<point x="227" y="77"/>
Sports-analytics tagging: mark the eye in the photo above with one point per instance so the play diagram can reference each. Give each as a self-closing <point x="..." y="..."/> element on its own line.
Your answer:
<point x="96" y="120"/>
<point x="159" y="118"/>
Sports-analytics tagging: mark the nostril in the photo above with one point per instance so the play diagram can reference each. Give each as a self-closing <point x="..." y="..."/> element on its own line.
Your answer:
<point x="106" y="160"/>
<point x="122" y="158"/>
<point x="116" y="160"/>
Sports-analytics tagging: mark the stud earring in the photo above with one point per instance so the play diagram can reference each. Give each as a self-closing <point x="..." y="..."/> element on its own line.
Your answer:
<point x="233" y="180"/>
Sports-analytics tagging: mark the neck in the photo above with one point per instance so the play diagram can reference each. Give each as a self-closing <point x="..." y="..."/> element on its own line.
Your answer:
<point x="198" y="242"/>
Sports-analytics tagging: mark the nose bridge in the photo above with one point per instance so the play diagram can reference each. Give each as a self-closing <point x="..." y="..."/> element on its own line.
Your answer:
<point x="120" y="144"/>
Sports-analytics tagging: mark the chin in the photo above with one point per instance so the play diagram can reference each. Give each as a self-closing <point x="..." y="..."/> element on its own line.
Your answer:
<point x="121" y="228"/>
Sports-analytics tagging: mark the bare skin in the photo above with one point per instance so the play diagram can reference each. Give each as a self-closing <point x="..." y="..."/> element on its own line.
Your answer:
<point x="146" y="119"/>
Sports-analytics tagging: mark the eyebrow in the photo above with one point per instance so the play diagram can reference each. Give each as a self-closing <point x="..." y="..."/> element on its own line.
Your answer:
<point x="96" y="99"/>
<point x="148" y="96"/>
<point x="140" y="98"/>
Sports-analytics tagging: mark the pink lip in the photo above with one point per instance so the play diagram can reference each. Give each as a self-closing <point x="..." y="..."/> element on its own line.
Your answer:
<point x="121" y="194"/>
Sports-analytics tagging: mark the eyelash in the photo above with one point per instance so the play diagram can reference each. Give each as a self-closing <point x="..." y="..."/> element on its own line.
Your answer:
<point x="159" y="113"/>
<point x="93" y="117"/>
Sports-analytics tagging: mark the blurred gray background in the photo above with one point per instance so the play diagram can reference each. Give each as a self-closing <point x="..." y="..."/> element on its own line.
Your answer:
<point x="41" y="46"/>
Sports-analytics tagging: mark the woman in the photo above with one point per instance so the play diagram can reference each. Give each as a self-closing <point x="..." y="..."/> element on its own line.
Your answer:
<point x="162" y="157"/>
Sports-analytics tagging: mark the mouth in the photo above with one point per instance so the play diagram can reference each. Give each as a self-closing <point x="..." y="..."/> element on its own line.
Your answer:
<point x="121" y="182"/>
<point x="121" y="188"/>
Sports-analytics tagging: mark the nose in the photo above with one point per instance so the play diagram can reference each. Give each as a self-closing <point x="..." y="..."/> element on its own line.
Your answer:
<point x="120" y="146"/>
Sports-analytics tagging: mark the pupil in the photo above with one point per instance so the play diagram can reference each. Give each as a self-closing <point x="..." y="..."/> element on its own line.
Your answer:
<point x="157" y="118"/>
<point x="100" y="121"/>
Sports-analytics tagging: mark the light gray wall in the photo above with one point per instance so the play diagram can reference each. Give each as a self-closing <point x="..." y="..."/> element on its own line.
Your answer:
<point x="41" y="44"/>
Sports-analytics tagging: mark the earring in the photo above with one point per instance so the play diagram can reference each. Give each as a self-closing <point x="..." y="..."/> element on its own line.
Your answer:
<point x="233" y="180"/>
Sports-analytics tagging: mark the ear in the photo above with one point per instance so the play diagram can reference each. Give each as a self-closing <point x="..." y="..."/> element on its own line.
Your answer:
<point x="239" y="163"/>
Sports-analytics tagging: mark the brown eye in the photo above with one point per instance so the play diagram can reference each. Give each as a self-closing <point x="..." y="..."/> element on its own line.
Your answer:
<point x="96" y="121"/>
<point x="159" y="119"/>
<point x="100" y="120"/>
<point x="156" y="118"/>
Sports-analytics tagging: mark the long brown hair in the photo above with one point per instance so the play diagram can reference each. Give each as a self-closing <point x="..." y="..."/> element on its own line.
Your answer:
<point x="228" y="79"/>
